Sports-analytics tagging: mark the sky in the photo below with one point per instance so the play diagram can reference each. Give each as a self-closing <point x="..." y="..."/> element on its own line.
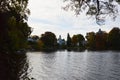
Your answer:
<point x="48" y="15"/>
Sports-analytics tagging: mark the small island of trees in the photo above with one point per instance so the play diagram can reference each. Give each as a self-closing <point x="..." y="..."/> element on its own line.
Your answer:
<point x="100" y="40"/>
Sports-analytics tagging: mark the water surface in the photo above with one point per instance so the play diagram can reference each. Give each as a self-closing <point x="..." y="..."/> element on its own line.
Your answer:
<point x="64" y="65"/>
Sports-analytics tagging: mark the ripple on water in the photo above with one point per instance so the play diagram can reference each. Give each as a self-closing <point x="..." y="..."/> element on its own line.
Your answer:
<point x="75" y="65"/>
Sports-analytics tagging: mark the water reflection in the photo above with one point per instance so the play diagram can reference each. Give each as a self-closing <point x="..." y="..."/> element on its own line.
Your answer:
<point x="64" y="65"/>
<point x="13" y="66"/>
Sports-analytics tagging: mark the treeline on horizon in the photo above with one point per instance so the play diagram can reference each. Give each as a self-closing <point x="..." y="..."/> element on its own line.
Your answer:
<point x="100" y="40"/>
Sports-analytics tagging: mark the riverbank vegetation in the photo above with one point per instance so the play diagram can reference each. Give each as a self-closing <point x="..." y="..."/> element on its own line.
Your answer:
<point x="14" y="29"/>
<point x="100" y="40"/>
<point x="14" y="32"/>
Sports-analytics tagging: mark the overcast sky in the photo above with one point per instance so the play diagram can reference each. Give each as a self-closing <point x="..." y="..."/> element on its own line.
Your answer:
<point x="47" y="15"/>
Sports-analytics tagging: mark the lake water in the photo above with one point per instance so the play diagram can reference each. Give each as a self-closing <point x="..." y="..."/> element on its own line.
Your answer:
<point x="64" y="65"/>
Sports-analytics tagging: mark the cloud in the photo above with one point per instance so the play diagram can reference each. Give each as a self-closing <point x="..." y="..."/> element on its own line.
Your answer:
<point x="47" y="15"/>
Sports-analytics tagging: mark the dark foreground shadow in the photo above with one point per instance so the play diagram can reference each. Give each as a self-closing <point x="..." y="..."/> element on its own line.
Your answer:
<point x="13" y="66"/>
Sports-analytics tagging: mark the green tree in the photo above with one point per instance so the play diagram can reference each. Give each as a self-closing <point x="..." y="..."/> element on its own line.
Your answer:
<point x="49" y="39"/>
<point x="114" y="38"/>
<point x="14" y="29"/>
<point x="69" y="40"/>
<point x="91" y="41"/>
<point x="98" y="8"/>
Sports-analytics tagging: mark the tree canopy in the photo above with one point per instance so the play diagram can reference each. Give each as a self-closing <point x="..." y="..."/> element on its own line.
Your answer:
<point x="91" y="40"/>
<point x="98" y="8"/>
<point x="49" y="39"/>
<point x="114" y="38"/>
<point x="102" y="40"/>
<point x="14" y="29"/>
<point x="78" y="40"/>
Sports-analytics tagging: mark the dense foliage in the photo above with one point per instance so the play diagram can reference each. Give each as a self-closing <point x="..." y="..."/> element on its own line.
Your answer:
<point x="102" y="40"/>
<point x="49" y="39"/>
<point x="77" y="40"/>
<point x="14" y="29"/>
<point x="114" y="38"/>
<point x="14" y="32"/>
<point x="91" y="40"/>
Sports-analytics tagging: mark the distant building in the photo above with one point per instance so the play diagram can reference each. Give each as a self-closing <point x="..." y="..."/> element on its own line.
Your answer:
<point x="100" y="32"/>
<point x="60" y="41"/>
<point x="32" y="39"/>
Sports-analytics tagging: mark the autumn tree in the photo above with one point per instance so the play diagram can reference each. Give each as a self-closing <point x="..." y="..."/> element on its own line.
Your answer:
<point x="101" y="40"/>
<point x="98" y="8"/>
<point x="74" y="40"/>
<point x="40" y="45"/>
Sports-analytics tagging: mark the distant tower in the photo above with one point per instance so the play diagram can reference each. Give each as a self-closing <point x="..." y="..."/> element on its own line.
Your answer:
<point x="100" y="31"/>
<point x="60" y="40"/>
<point x="59" y="37"/>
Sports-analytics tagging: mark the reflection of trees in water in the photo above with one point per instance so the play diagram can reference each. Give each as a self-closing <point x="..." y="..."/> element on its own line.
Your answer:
<point x="18" y="66"/>
<point x="13" y="66"/>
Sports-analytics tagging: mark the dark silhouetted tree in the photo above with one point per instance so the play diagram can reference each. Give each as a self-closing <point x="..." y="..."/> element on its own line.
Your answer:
<point x="81" y="40"/>
<point x="35" y="37"/>
<point x="49" y="39"/>
<point x="68" y="40"/>
<point x="14" y="32"/>
<point x="14" y="29"/>
<point x="114" y="38"/>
